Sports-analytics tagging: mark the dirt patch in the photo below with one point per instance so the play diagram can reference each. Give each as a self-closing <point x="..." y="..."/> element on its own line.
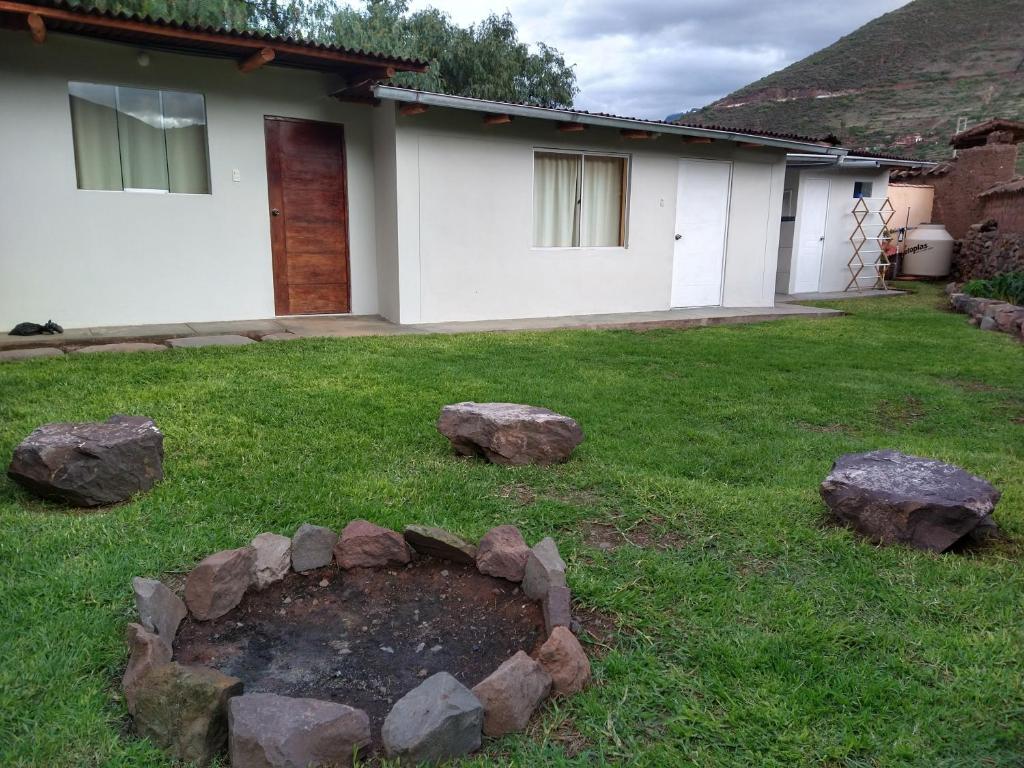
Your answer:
<point x="597" y="630"/>
<point x="833" y="428"/>
<point x="971" y="385"/>
<point x="565" y="735"/>
<point x="646" y="534"/>
<point x="521" y="493"/>
<point x="524" y="495"/>
<point x="904" y="411"/>
<point x="366" y="637"/>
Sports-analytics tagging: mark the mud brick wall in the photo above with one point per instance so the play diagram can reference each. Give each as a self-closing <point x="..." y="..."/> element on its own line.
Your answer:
<point x="956" y="194"/>
<point x="987" y="251"/>
<point x="1006" y="209"/>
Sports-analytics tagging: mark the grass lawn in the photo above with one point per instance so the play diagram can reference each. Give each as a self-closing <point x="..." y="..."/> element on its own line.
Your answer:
<point x="746" y="631"/>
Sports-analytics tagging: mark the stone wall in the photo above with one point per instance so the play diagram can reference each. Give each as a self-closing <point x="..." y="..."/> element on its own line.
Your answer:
<point x="1006" y="208"/>
<point x="986" y="250"/>
<point x="975" y="170"/>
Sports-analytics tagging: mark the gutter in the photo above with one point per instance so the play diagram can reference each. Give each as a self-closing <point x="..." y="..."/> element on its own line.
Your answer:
<point x="391" y="93"/>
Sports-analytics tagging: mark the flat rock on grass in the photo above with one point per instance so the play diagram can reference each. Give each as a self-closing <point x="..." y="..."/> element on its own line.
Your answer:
<point x="509" y="433"/>
<point x="121" y="346"/>
<point x="273" y="558"/>
<point x="439" y="543"/>
<point x="563" y="658"/>
<point x="90" y="464"/>
<point x="545" y="568"/>
<point x="312" y="547"/>
<point x="160" y="610"/>
<point x="502" y="552"/>
<point x="147" y="651"/>
<point x="14" y="355"/>
<point x="217" y="584"/>
<point x="438" y="720"/>
<point x="220" y="340"/>
<point x="183" y="710"/>
<point x="892" y="498"/>
<point x="511" y="693"/>
<point x="365" y="545"/>
<point x="270" y="731"/>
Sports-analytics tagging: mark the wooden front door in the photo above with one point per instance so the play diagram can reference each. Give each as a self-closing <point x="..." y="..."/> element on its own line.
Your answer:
<point x="308" y="216"/>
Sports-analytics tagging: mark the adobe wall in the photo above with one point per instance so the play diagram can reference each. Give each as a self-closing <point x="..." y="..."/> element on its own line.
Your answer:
<point x="1006" y="209"/>
<point x="956" y="194"/>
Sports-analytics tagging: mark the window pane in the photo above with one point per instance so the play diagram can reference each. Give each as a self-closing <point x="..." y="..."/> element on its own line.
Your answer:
<point x="185" y="132"/>
<point x="141" y="131"/>
<point x="604" y="180"/>
<point x="94" y="128"/>
<point x="556" y="199"/>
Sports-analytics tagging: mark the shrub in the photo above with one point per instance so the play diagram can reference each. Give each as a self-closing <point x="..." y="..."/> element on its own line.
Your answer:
<point x="1008" y="286"/>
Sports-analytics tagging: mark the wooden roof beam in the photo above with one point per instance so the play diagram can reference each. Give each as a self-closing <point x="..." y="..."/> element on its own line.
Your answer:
<point x="633" y="133"/>
<point x="497" y="119"/>
<point x="412" y="108"/>
<point x="697" y="140"/>
<point x="749" y="145"/>
<point x="256" y="60"/>
<point x="37" y="27"/>
<point x="572" y="127"/>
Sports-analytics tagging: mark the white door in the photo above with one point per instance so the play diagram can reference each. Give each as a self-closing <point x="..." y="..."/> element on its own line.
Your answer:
<point x="702" y="222"/>
<point x="811" y="217"/>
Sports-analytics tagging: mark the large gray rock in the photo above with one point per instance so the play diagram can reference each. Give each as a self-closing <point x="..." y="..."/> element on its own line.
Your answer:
<point x="312" y="547"/>
<point x="438" y="720"/>
<point x="511" y="693"/>
<point x="270" y="731"/>
<point x="183" y="710"/>
<point x="273" y="558"/>
<point x="511" y="434"/>
<point x="365" y="545"/>
<point x="160" y="610"/>
<point x="146" y="652"/>
<point x="90" y="464"/>
<point x="892" y="498"/>
<point x="217" y="584"/>
<point x="545" y="568"/>
<point x="439" y="543"/>
<point x="503" y="552"/>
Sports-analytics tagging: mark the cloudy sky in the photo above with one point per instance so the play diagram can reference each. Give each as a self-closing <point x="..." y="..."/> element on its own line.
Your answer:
<point x="649" y="58"/>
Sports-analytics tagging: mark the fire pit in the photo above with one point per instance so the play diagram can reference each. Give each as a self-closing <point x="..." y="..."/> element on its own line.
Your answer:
<point x="307" y="651"/>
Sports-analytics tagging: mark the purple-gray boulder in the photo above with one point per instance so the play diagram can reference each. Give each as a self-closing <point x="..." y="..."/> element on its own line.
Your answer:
<point x="892" y="498"/>
<point x="510" y="434"/>
<point x="90" y="464"/>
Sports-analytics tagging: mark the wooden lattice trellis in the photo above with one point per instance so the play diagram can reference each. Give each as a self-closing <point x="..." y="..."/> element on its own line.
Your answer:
<point x="869" y="263"/>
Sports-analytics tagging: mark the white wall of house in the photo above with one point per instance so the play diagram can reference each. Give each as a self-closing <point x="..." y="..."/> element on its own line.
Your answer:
<point x="117" y="258"/>
<point x="465" y="212"/>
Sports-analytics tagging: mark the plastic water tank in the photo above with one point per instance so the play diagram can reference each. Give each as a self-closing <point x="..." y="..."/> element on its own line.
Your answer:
<point x="928" y="251"/>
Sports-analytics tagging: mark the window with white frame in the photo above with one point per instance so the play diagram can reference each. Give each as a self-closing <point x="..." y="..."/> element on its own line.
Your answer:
<point x="862" y="189"/>
<point x="579" y="200"/>
<point x="138" y="139"/>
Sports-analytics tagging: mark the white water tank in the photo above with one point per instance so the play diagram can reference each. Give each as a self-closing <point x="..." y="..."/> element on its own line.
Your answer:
<point x="928" y="251"/>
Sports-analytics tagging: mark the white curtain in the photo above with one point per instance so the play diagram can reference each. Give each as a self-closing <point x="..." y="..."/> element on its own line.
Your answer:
<point x="556" y="200"/>
<point x="140" y="129"/>
<point x="603" y="188"/>
<point x="188" y="168"/>
<point x="94" y="125"/>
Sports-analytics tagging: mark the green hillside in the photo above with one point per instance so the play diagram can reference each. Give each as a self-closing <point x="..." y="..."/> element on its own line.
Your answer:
<point x="897" y="84"/>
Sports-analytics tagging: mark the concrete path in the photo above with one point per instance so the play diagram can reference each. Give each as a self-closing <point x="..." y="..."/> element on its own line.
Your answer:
<point x="147" y="337"/>
<point x="786" y="298"/>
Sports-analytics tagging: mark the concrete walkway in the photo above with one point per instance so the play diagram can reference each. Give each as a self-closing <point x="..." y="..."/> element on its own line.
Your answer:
<point x="153" y="337"/>
<point x="786" y="298"/>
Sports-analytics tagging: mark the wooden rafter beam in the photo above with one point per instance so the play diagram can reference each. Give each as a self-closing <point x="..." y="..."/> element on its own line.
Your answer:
<point x="497" y="119"/>
<point x="37" y="27"/>
<point x="413" y="108"/>
<point x="749" y="145"/>
<point x="572" y="127"/>
<point x="637" y="135"/>
<point x="697" y="140"/>
<point x="256" y="60"/>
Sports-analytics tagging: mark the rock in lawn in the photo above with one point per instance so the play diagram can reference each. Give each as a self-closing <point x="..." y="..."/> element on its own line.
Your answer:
<point x="503" y="552"/>
<point x="892" y="498"/>
<point x="273" y="558"/>
<point x="148" y="651"/>
<point x="270" y="731"/>
<point x="544" y="569"/>
<point x="557" y="604"/>
<point x="183" y="710"/>
<point x="563" y="658"/>
<point x="511" y="693"/>
<point x="160" y="610"/>
<point x="312" y="547"/>
<point x="217" y="584"/>
<point x="438" y="720"/>
<point x="365" y="545"/>
<point x="511" y="434"/>
<point x="90" y="464"/>
<point x="439" y="543"/>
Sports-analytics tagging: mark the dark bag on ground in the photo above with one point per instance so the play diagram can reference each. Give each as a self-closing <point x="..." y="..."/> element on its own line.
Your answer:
<point x="35" y="329"/>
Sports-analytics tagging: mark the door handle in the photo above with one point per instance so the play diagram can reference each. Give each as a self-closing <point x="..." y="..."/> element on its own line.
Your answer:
<point x="275" y="211"/>
<point x="679" y="237"/>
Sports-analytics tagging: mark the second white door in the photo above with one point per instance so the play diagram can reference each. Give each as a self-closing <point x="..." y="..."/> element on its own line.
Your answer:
<point x="702" y="225"/>
<point x="811" y="219"/>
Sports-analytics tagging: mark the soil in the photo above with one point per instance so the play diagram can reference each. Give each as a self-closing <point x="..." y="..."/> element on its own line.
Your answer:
<point x="366" y="637"/>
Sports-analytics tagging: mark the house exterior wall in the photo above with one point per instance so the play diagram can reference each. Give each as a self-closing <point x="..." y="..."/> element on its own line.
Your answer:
<point x="957" y="205"/>
<point x="117" y="258"/>
<point x="465" y="216"/>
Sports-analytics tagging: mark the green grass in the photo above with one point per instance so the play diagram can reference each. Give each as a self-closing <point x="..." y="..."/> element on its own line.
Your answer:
<point x="767" y="638"/>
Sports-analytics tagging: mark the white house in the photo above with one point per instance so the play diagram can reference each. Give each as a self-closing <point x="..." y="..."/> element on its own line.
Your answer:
<point x="162" y="173"/>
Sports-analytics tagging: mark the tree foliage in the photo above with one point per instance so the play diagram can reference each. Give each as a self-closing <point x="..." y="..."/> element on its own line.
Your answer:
<point x="485" y="60"/>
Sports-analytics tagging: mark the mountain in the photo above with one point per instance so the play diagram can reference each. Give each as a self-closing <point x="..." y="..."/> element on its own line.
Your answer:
<point x="898" y="84"/>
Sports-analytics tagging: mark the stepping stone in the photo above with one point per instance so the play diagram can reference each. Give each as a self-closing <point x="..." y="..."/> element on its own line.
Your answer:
<point x="160" y="610"/>
<point x="511" y="693"/>
<point x="312" y="547"/>
<point x="217" y="584"/>
<point x="503" y="552"/>
<point x="147" y="652"/>
<point x="508" y="433"/>
<point x="563" y="658"/>
<point x="127" y="346"/>
<point x="365" y="545"/>
<point x="437" y="721"/>
<point x="269" y="730"/>
<point x="893" y="498"/>
<point x="544" y="569"/>
<point x="439" y="543"/>
<point x="13" y="355"/>
<point x="273" y="558"/>
<point x="220" y="340"/>
<point x="283" y="336"/>
<point x="90" y="464"/>
<point x="183" y="710"/>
